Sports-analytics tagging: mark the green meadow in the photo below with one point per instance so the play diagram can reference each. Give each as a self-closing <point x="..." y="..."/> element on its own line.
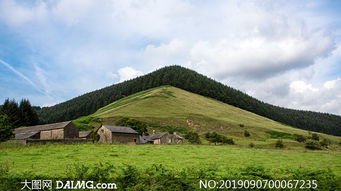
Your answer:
<point x="54" y="160"/>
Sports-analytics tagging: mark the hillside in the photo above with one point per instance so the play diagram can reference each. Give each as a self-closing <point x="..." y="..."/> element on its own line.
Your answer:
<point x="196" y="83"/>
<point x="185" y="111"/>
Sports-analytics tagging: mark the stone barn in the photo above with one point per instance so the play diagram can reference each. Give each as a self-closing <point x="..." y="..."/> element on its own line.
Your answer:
<point x="62" y="130"/>
<point x="117" y="134"/>
<point x="161" y="138"/>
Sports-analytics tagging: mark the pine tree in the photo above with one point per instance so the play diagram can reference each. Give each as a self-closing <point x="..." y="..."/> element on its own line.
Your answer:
<point x="11" y="110"/>
<point x="5" y="128"/>
<point x="28" y="116"/>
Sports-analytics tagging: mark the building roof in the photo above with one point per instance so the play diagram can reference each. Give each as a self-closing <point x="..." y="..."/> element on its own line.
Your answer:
<point x="177" y="136"/>
<point x="120" y="129"/>
<point x="143" y="140"/>
<point x="25" y="135"/>
<point x="38" y="128"/>
<point x="83" y="134"/>
<point x="154" y="136"/>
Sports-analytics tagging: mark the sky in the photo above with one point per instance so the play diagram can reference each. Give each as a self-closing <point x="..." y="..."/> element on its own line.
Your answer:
<point x="287" y="53"/>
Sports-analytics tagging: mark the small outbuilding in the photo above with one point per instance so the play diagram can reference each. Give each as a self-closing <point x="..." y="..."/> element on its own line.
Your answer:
<point x="62" y="130"/>
<point x="85" y="134"/>
<point x="118" y="134"/>
<point x="162" y="138"/>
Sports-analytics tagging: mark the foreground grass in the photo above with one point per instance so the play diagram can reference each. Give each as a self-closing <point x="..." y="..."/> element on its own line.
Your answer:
<point x="54" y="160"/>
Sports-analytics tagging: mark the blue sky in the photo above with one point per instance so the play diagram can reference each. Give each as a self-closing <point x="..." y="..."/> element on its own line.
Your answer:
<point x="287" y="53"/>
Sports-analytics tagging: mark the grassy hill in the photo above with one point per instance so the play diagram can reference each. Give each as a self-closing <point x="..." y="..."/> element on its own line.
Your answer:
<point x="196" y="83"/>
<point x="183" y="110"/>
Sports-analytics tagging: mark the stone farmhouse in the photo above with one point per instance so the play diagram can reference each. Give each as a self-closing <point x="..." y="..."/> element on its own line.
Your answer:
<point x="118" y="134"/>
<point x="62" y="130"/>
<point x="161" y="138"/>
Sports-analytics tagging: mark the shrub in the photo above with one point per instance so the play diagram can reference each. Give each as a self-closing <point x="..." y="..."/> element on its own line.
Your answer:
<point x="4" y="169"/>
<point x="251" y="145"/>
<point x="139" y="126"/>
<point x="215" y="138"/>
<point x="313" y="145"/>
<point x="280" y="135"/>
<point x="5" y="128"/>
<point x="226" y="140"/>
<point x="246" y="134"/>
<point x="325" y="142"/>
<point x="315" y="137"/>
<point x="279" y="144"/>
<point x="241" y="125"/>
<point x="192" y="137"/>
<point x="300" y="138"/>
<point x="95" y="136"/>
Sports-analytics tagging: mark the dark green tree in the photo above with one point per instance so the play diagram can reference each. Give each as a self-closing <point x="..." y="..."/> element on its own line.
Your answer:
<point x="315" y="137"/>
<point x="28" y="115"/>
<point x="5" y="128"/>
<point x="279" y="144"/>
<point x="193" y="137"/>
<point x="139" y="126"/>
<point x="246" y="133"/>
<point x="215" y="138"/>
<point x="11" y="110"/>
<point x="300" y="138"/>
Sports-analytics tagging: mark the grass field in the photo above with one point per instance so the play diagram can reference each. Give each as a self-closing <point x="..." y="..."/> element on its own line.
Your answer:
<point x="53" y="160"/>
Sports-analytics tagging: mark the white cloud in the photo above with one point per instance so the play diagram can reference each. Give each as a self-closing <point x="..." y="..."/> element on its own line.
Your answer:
<point x="15" y="14"/>
<point x="277" y="51"/>
<point x="71" y="12"/>
<point x="128" y="73"/>
<point x="302" y="87"/>
<point x="325" y="98"/>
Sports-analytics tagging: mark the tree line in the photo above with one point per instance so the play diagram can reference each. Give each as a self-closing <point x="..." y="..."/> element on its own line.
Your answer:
<point x="194" y="82"/>
<point x="13" y="115"/>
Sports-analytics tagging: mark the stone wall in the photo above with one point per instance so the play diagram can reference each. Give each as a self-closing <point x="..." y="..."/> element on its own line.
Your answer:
<point x="125" y="138"/>
<point x="105" y="135"/>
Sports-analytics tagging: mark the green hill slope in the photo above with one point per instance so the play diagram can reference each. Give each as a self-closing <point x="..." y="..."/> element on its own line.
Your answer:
<point x="175" y="107"/>
<point x="196" y="83"/>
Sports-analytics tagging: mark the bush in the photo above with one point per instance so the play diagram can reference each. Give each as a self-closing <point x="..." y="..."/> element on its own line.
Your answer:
<point x="139" y="126"/>
<point x="95" y="136"/>
<point x="251" y="145"/>
<point x="226" y="140"/>
<point x="325" y="143"/>
<point x="5" y="128"/>
<point x="215" y="138"/>
<point x="313" y="145"/>
<point x="246" y="134"/>
<point x="241" y="125"/>
<point x="280" y="135"/>
<point x="300" y="138"/>
<point x="159" y="177"/>
<point x="279" y="144"/>
<point x="193" y="137"/>
<point x="315" y="137"/>
<point x="4" y="169"/>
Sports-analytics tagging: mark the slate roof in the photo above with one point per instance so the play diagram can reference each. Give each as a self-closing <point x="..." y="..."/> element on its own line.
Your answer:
<point x="83" y="134"/>
<point x="153" y="137"/>
<point x="38" y="128"/>
<point x="121" y="129"/>
<point x="25" y="135"/>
